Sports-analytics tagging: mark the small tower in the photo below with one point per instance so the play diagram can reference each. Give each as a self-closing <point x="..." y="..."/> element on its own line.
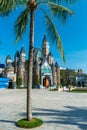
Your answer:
<point x="54" y="74"/>
<point x="22" y="55"/>
<point x="9" y="68"/>
<point x="57" y="73"/>
<point x="45" y="47"/>
<point x="8" y="59"/>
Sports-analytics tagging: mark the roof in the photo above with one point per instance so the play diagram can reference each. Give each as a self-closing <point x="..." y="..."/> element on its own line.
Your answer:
<point x="50" y="54"/>
<point x="56" y="64"/>
<point x="17" y="54"/>
<point x="36" y="50"/>
<point x="22" y="50"/>
<point x="45" y="41"/>
<point x="8" y="57"/>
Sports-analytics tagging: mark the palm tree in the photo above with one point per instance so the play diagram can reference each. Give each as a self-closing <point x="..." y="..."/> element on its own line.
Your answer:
<point x="30" y="6"/>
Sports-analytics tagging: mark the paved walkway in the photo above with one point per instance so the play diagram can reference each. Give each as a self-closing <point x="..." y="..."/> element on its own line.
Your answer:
<point x="58" y="110"/>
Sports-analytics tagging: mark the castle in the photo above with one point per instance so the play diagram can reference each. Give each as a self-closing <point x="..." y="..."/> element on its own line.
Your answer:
<point x="43" y="66"/>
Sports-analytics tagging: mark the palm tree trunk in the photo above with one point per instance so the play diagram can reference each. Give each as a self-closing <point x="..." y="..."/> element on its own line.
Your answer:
<point x="30" y="68"/>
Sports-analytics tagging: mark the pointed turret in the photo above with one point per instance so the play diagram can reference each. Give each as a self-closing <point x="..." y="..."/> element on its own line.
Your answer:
<point x="8" y="59"/>
<point x="45" y="46"/>
<point x="17" y="56"/>
<point x="56" y="65"/>
<point x="22" y="54"/>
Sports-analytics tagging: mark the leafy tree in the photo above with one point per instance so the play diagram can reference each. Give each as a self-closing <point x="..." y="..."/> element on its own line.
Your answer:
<point x="19" y="81"/>
<point x="30" y="6"/>
<point x="68" y="77"/>
<point x="36" y="80"/>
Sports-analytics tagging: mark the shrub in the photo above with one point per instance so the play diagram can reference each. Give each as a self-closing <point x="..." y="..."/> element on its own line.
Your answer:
<point x="35" y="122"/>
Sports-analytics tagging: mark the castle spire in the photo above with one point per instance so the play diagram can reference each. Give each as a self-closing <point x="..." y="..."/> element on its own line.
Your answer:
<point x="45" y="46"/>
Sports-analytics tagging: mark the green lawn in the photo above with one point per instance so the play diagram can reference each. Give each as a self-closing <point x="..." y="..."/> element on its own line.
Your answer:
<point x="79" y="90"/>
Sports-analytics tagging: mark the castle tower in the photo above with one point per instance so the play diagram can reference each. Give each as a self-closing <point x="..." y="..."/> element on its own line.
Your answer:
<point x="8" y="60"/>
<point x="21" y="71"/>
<point x="36" y="72"/>
<point x="22" y="55"/>
<point x="45" y="47"/>
<point x="37" y="68"/>
<point x="54" y="74"/>
<point x="57" y="73"/>
<point x="9" y="68"/>
<point x="16" y="60"/>
<point x="9" y="72"/>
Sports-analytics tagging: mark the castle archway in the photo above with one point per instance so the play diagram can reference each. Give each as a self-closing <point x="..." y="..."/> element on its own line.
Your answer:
<point x="47" y="82"/>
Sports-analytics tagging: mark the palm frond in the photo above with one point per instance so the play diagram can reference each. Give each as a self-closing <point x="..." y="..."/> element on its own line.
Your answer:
<point x="60" y="11"/>
<point x="21" y="24"/>
<point x="53" y="34"/>
<point x="7" y="5"/>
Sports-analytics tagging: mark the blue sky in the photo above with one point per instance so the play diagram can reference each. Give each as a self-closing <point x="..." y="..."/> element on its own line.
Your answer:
<point x="73" y="35"/>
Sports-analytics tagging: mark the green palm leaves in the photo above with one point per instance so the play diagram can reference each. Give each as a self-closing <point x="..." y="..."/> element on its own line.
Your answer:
<point x="21" y="24"/>
<point x="53" y="33"/>
<point x="56" y="10"/>
<point x="61" y="13"/>
<point x="7" y="5"/>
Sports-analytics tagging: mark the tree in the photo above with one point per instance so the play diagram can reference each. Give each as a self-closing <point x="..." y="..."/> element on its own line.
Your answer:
<point x="36" y="81"/>
<point x="30" y="6"/>
<point x="19" y="81"/>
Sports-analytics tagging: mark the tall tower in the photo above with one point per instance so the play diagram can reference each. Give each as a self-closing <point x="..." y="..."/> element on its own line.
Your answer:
<point x="45" y="47"/>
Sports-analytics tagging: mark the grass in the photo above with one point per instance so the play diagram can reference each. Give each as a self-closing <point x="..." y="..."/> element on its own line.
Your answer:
<point x="80" y="90"/>
<point x="35" y="122"/>
<point x="54" y="89"/>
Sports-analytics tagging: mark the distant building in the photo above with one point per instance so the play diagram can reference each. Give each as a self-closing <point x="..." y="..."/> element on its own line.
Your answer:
<point x="43" y="66"/>
<point x="81" y="79"/>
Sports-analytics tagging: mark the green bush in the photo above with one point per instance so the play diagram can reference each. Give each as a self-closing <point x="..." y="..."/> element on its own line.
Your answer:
<point x="19" y="82"/>
<point x="35" y="122"/>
